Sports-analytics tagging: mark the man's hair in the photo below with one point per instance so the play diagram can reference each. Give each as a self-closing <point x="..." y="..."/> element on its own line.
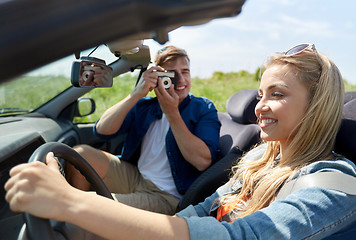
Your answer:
<point x="169" y="53"/>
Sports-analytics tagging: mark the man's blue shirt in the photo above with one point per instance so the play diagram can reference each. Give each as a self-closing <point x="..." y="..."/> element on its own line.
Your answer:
<point x="200" y="117"/>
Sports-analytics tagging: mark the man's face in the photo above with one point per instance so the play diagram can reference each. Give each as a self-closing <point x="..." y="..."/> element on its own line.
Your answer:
<point x="182" y="68"/>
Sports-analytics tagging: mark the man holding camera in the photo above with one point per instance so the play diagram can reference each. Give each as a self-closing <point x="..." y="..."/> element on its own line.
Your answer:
<point x="170" y="139"/>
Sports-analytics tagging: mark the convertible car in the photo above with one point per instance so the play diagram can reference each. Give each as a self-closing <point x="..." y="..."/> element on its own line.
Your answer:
<point x="39" y="113"/>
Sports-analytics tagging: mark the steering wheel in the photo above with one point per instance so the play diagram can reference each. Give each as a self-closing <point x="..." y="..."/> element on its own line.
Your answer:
<point x="39" y="228"/>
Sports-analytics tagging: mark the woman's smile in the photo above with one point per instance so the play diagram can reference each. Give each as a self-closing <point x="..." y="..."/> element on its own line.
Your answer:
<point x="266" y="122"/>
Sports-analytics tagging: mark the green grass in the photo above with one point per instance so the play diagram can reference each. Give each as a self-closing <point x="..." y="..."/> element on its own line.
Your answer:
<point x="106" y="97"/>
<point x="37" y="89"/>
<point x="349" y="87"/>
<point x="219" y="87"/>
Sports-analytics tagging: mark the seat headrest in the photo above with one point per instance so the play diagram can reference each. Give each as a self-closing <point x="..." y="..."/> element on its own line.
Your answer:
<point x="349" y="111"/>
<point x="241" y="106"/>
<point x="349" y="96"/>
<point x="346" y="138"/>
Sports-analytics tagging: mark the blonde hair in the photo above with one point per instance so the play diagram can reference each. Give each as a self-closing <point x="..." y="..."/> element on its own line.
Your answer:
<point x="312" y="139"/>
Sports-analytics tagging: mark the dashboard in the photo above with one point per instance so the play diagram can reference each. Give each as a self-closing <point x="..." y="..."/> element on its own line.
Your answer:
<point x="20" y="137"/>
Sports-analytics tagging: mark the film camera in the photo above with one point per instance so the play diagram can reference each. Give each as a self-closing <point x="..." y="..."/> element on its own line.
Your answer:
<point x="83" y="70"/>
<point x="168" y="78"/>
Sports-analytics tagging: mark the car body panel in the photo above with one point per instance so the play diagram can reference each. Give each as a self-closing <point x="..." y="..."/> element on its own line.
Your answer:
<point x="35" y="32"/>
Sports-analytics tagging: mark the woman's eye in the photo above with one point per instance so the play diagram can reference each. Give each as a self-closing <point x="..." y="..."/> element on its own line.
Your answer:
<point x="273" y="95"/>
<point x="277" y="94"/>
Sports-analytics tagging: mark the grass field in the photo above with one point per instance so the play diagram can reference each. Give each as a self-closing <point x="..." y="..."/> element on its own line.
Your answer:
<point x="30" y="92"/>
<point x="219" y="87"/>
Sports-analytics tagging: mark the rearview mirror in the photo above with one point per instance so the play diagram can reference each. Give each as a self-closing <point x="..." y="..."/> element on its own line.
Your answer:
<point x="83" y="71"/>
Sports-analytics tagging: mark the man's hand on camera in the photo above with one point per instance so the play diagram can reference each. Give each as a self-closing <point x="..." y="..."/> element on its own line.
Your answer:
<point x="167" y="98"/>
<point x="147" y="82"/>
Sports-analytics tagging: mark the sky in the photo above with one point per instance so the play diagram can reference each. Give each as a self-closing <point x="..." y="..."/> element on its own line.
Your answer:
<point x="264" y="27"/>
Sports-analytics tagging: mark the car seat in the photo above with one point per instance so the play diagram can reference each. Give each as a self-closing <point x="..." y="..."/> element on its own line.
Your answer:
<point x="349" y="96"/>
<point x="238" y="133"/>
<point x="346" y="138"/>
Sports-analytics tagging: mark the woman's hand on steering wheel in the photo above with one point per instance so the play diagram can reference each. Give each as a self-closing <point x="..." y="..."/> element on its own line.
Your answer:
<point x="36" y="187"/>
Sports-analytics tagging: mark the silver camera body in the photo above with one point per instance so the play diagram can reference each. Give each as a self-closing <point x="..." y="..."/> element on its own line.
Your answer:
<point x="168" y="78"/>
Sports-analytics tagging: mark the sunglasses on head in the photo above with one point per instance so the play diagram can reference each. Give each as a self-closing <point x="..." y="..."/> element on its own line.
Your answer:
<point x="300" y="48"/>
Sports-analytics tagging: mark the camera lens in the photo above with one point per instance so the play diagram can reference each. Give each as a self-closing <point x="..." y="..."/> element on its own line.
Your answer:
<point x="167" y="82"/>
<point x="86" y="74"/>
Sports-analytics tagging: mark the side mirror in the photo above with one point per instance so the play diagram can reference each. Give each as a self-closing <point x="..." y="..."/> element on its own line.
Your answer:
<point x="85" y="107"/>
<point x="83" y="71"/>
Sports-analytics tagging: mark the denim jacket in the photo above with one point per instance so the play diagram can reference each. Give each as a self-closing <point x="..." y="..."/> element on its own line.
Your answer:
<point x="200" y="117"/>
<point x="308" y="213"/>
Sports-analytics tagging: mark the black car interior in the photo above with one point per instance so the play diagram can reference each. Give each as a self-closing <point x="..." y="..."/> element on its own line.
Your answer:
<point x="346" y="138"/>
<point x="239" y="132"/>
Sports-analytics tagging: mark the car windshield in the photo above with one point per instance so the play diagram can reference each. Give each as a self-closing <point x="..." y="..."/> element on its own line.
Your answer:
<point x="28" y="92"/>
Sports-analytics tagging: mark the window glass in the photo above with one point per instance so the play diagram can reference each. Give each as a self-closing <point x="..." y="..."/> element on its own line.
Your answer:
<point x="26" y="93"/>
<point x="107" y="97"/>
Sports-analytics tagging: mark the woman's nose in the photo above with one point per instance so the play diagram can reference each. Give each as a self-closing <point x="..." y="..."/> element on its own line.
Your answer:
<point x="261" y="107"/>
